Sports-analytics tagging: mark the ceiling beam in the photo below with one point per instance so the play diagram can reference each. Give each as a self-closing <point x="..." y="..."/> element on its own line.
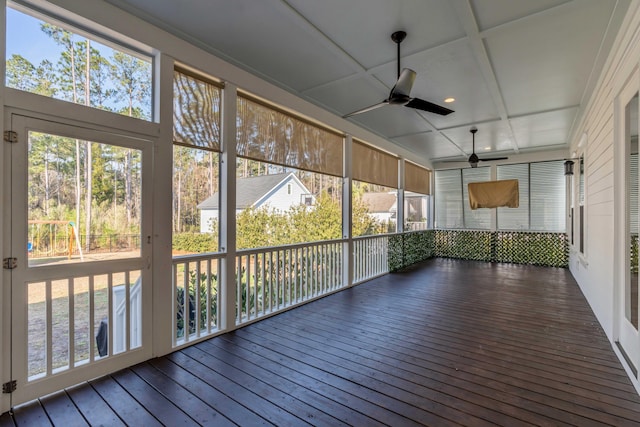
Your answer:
<point x="470" y="25"/>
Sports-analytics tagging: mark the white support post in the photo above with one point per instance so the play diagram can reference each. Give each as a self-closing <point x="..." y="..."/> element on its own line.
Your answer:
<point x="494" y="211"/>
<point x="162" y="318"/>
<point x="5" y="227"/>
<point x="347" y="217"/>
<point x="227" y="225"/>
<point x="400" y="198"/>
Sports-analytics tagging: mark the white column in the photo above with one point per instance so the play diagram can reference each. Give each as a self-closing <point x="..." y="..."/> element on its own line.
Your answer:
<point x="347" y="217"/>
<point x="162" y="183"/>
<point x="5" y="283"/>
<point x="227" y="226"/>
<point x="400" y="198"/>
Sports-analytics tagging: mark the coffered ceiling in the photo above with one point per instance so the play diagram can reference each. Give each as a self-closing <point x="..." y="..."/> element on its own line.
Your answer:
<point x="519" y="70"/>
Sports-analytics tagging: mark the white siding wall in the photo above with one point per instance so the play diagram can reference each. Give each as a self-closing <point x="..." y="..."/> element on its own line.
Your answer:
<point x="207" y="218"/>
<point x="595" y="271"/>
<point x="280" y="199"/>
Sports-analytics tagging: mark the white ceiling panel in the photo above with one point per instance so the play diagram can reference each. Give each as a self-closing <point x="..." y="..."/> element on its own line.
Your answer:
<point x="363" y="27"/>
<point x="545" y="62"/>
<point x="491" y="13"/>
<point x="432" y="144"/>
<point x="546" y="129"/>
<point x="519" y="69"/>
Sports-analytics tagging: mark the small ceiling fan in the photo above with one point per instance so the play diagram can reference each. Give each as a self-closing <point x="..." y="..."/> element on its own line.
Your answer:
<point x="473" y="158"/>
<point x="400" y="92"/>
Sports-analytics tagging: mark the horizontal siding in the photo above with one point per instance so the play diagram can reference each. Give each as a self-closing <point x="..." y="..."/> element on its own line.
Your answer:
<point x="595" y="272"/>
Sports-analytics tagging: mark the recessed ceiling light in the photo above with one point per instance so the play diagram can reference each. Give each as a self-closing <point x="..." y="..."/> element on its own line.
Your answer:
<point x="449" y="100"/>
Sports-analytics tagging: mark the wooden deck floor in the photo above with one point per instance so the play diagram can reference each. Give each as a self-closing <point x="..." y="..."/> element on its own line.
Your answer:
<point x="447" y="343"/>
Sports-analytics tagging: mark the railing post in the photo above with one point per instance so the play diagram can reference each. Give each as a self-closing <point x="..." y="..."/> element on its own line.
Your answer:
<point x="227" y="280"/>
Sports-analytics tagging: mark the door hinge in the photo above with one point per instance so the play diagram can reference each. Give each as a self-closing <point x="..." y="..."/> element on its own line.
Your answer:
<point x="9" y="387"/>
<point x="10" y="136"/>
<point x="9" y="263"/>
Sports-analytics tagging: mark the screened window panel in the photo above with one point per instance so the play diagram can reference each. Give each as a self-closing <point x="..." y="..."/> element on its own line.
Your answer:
<point x="374" y="166"/>
<point x="515" y="218"/>
<point x="196" y="112"/>
<point x="479" y="218"/>
<point x="448" y="199"/>
<point x="269" y="135"/>
<point x="548" y="196"/>
<point x="581" y="181"/>
<point x="417" y="179"/>
<point x="633" y="193"/>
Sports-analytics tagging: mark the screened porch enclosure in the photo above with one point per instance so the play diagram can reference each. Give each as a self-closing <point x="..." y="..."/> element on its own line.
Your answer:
<point x="181" y="247"/>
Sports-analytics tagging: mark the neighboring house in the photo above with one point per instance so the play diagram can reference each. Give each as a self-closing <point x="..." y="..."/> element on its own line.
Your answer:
<point x="382" y="206"/>
<point x="280" y="192"/>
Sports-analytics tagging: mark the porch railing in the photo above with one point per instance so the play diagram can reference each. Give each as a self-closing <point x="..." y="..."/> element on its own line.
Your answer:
<point x="269" y="280"/>
<point x="370" y="257"/>
<point x="196" y="297"/>
<point x="273" y="279"/>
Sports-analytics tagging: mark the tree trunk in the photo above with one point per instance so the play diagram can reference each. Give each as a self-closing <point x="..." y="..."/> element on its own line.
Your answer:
<point x="47" y="194"/>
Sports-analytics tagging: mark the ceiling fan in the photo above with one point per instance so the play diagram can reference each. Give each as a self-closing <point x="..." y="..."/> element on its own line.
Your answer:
<point x="473" y="158"/>
<point x="399" y="94"/>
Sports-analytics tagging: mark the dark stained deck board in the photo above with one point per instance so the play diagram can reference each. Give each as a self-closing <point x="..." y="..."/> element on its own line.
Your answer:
<point x="322" y="330"/>
<point x="297" y="407"/>
<point x="218" y="400"/>
<point x="122" y="403"/>
<point x="313" y="392"/>
<point x="383" y="358"/>
<point x="6" y="420"/>
<point x="31" y="415"/>
<point x="154" y="402"/>
<point x="61" y="410"/>
<point x="187" y="401"/>
<point x="447" y="342"/>
<point x="93" y="407"/>
<point x="250" y="400"/>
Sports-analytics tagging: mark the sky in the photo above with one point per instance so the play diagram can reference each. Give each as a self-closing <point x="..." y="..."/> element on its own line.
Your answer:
<point x="25" y="38"/>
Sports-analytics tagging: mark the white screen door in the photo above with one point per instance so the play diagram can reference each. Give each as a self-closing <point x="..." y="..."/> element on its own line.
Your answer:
<point x="80" y="237"/>
<point x="627" y="304"/>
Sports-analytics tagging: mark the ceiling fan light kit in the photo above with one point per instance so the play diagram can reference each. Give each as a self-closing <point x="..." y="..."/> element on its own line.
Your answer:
<point x="473" y="158"/>
<point x="401" y="92"/>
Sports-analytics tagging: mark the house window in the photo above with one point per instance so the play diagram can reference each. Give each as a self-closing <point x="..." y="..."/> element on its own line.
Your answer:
<point x="75" y="68"/>
<point x="542" y="189"/>
<point x="581" y="218"/>
<point x="452" y="199"/>
<point x="289" y="189"/>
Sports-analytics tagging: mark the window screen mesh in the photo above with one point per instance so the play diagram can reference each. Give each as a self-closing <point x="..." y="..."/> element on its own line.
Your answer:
<point x="196" y="112"/>
<point x="269" y="135"/>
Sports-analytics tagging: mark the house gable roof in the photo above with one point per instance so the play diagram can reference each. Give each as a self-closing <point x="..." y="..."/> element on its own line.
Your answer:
<point x="379" y="202"/>
<point x="249" y="191"/>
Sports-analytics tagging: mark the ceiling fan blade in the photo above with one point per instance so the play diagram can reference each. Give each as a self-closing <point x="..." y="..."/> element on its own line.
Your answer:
<point x="488" y="159"/>
<point x="430" y="107"/>
<point x="403" y="86"/>
<point x="369" y="108"/>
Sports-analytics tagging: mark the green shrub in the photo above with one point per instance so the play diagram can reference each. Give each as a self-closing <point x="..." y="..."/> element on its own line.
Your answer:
<point x="195" y="242"/>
